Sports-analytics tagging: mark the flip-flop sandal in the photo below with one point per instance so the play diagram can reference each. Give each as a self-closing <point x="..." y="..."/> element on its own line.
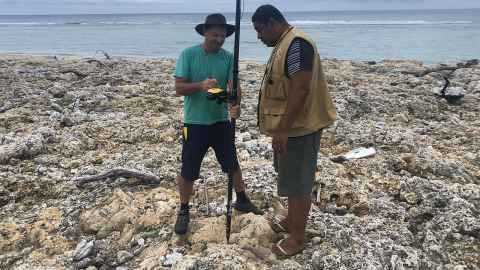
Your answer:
<point x="281" y="253"/>
<point x="275" y="222"/>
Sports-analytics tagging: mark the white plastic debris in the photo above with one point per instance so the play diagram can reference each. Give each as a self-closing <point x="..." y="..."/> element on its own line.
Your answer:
<point x="361" y="152"/>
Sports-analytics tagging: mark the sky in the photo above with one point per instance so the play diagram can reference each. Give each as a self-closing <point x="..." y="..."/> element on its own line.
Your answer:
<point x="191" y="6"/>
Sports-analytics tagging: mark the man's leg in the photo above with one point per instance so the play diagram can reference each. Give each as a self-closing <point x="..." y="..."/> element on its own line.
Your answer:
<point x="195" y="145"/>
<point x="238" y="183"/>
<point x="296" y="170"/>
<point x="226" y="154"/>
<point x="279" y="220"/>
<point x="243" y="203"/>
<point x="185" y="189"/>
<point x="298" y="210"/>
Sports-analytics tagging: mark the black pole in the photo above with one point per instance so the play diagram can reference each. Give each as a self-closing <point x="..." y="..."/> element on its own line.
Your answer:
<point x="233" y="100"/>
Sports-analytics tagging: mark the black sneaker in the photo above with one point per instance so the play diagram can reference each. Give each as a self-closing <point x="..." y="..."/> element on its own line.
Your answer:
<point x="247" y="207"/>
<point x="183" y="218"/>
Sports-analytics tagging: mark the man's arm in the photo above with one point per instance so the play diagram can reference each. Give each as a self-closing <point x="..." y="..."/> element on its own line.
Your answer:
<point x="299" y="89"/>
<point x="184" y="88"/>
<point x="298" y="68"/>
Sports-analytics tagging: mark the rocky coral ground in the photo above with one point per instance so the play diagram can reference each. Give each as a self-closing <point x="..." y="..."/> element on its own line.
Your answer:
<point x="414" y="205"/>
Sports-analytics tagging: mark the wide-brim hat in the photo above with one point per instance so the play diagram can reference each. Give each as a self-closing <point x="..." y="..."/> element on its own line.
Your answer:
<point x="216" y="19"/>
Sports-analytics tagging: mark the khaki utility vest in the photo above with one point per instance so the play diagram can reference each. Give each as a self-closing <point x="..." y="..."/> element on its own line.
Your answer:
<point x="318" y="111"/>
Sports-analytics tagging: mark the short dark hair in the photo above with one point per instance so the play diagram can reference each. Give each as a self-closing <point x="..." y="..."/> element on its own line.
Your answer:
<point x="264" y="13"/>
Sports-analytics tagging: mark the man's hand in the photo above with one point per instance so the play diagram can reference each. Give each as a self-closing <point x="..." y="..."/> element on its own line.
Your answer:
<point x="279" y="142"/>
<point x="208" y="83"/>
<point x="235" y="111"/>
<point x="184" y="88"/>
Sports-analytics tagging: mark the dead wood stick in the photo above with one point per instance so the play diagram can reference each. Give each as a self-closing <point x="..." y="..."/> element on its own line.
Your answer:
<point x="428" y="71"/>
<point x="119" y="172"/>
<point x="99" y="62"/>
<point x="76" y="72"/>
<point x="468" y="64"/>
<point x="9" y="106"/>
<point x="5" y="108"/>
<point x="104" y="54"/>
<point x="447" y="84"/>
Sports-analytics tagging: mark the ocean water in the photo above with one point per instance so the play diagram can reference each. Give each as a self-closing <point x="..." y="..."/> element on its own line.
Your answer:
<point x="427" y="35"/>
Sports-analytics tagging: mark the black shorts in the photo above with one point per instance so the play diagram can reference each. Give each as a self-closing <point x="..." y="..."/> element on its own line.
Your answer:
<point x="196" y="141"/>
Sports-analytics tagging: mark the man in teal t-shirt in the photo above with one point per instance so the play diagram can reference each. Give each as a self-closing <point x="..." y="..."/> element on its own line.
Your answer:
<point x="197" y="65"/>
<point x="206" y="122"/>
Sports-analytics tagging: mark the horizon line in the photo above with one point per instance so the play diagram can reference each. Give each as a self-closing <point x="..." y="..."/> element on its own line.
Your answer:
<point x="228" y="12"/>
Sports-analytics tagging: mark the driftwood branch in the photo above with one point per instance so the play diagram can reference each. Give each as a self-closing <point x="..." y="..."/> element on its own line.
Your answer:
<point x="95" y="61"/>
<point x="104" y="54"/>
<point x="119" y="172"/>
<point x="99" y="62"/>
<point x="6" y="108"/>
<point x="76" y="72"/>
<point x="467" y="64"/>
<point x="447" y="84"/>
<point x="10" y="105"/>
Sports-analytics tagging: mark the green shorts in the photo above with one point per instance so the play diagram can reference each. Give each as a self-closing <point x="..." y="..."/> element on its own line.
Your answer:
<point x="296" y="168"/>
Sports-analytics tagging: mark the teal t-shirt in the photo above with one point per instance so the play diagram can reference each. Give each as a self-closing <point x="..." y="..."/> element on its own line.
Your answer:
<point x="194" y="65"/>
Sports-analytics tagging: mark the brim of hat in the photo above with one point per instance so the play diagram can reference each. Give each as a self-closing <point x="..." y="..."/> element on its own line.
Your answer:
<point x="230" y="28"/>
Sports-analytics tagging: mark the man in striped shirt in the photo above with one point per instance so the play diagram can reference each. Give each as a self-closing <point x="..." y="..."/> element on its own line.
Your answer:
<point x="294" y="107"/>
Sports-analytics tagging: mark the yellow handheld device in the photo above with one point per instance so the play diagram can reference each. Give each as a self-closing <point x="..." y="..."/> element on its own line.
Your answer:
<point x="217" y="94"/>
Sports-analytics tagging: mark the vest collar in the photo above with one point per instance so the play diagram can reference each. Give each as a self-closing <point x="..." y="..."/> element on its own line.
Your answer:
<point x="283" y="36"/>
<point x="268" y="68"/>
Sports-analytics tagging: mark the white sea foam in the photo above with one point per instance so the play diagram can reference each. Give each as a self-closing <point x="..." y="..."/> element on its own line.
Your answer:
<point x="374" y="22"/>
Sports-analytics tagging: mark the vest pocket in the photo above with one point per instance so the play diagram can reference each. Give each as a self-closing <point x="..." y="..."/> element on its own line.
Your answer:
<point x="272" y="117"/>
<point x="275" y="88"/>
